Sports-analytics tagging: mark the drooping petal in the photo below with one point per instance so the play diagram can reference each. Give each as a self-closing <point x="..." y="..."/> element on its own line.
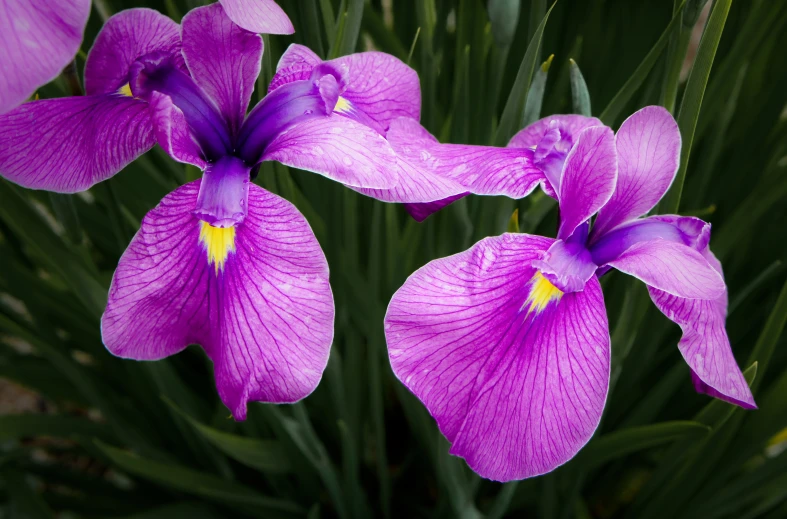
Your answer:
<point x="588" y="178"/>
<point x="172" y="131"/>
<point x="265" y="317"/>
<point x="648" y="146"/>
<point x="263" y="16"/>
<point x="69" y="144"/>
<point x="38" y="38"/>
<point x="422" y="211"/>
<point x="482" y="170"/>
<point x="569" y="125"/>
<point x="338" y="148"/>
<point x="223" y="59"/>
<point x="515" y="381"/>
<point x="672" y="267"/>
<point x="705" y="345"/>
<point x="125" y="37"/>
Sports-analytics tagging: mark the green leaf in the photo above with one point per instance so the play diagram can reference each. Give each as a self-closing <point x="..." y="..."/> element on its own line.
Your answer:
<point x="513" y="223"/>
<point x="25" y="503"/>
<point x="769" y="336"/>
<point x="630" y="87"/>
<point x="692" y="98"/>
<point x="13" y="427"/>
<point x="515" y="105"/>
<point x="504" y="17"/>
<point x="184" y="479"/>
<point x="535" y="98"/>
<point x="580" y="97"/>
<point x="176" y="511"/>
<point x="620" y="443"/>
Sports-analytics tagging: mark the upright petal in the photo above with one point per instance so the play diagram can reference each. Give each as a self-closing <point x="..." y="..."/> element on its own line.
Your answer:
<point x="263" y="16"/>
<point x="69" y="144"/>
<point x="569" y="125"/>
<point x="517" y="387"/>
<point x="482" y="170"/>
<point x="38" y="38"/>
<point x="296" y="64"/>
<point x="671" y="267"/>
<point x="172" y="131"/>
<point x="265" y="317"/>
<point x="588" y="178"/>
<point x="223" y="59"/>
<point x="648" y="146"/>
<point x="125" y="37"/>
<point x="338" y="148"/>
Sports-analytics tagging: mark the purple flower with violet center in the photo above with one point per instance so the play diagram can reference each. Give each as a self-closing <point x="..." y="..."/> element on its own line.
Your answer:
<point x="507" y="344"/>
<point x="38" y="38"/>
<point x="219" y="262"/>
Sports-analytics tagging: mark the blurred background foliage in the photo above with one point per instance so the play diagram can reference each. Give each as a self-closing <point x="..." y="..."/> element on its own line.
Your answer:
<point x="87" y="435"/>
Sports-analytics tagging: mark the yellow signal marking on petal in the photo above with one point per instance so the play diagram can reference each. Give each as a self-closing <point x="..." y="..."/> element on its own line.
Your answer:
<point x="342" y="105"/>
<point x="125" y="90"/>
<point x="541" y="293"/>
<point x="218" y="242"/>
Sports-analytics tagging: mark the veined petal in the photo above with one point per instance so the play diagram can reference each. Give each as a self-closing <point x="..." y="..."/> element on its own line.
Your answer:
<point x="674" y="268"/>
<point x="648" y="149"/>
<point x="296" y="64"/>
<point x="263" y="16"/>
<point x="69" y="144"/>
<point x="265" y="317"/>
<point x="223" y="59"/>
<point x="569" y="126"/>
<point x="38" y="38"/>
<point x="516" y="380"/>
<point x="416" y="186"/>
<point x="588" y="178"/>
<point x="482" y="170"/>
<point x="125" y="37"/>
<point x="338" y="148"/>
<point x="172" y="131"/>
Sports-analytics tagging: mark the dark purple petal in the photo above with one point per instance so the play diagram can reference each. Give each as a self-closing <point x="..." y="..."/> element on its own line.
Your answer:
<point x="422" y="211"/>
<point x="67" y="145"/>
<point x="124" y="38"/>
<point x="224" y="193"/>
<point x="265" y="317"/>
<point x="38" y="38"/>
<point x="223" y="59"/>
<point x="517" y="390"/>
<point x="671" y="267"/>
<point x="588" y="178"/>
<point x="172" y="131"/>
<point x="281" y="109"/>
<point x="482" y="170"/>
<point x="648" y="146"/>
<point x="338" y="148"/>
<point x="263" y="16"/>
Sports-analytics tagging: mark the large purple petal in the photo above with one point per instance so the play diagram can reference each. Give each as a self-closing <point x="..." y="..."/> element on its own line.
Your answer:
<point x="263" y="16"/>
<point x="38" y="38"/>
<point x="674" y="268"/>
<point x="338" y="148"/>
<point x="223" y="59"/>
<point x="570" y="126"/>
<point x="516" y="391"/>
<point x="416" y="186"/>
<point x="482" y="170"/>
<point x="648" y="146"/>
<point x="265" y="318"/>
<point x="588" y="178"/>
<point x="67" y="145"/>
<point x="705" y="345"/>
<point x="125" y="37"/>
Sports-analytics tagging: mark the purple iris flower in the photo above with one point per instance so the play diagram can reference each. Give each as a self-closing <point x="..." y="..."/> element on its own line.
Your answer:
<point x="38" y="38"/>
<point x="219" y="262"/>
<point x="507" y="344"/>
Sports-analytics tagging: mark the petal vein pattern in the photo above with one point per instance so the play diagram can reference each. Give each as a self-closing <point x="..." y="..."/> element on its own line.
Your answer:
<point x="517" y="393"/>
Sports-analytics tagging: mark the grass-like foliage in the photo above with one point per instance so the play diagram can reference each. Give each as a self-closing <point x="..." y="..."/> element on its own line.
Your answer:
<point x="114" y="438"/>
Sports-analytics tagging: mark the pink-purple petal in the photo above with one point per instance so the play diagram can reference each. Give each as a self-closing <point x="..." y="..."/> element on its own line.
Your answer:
<point x="38" y="38"/>
<point x="674" y="268"/>
<point x="223" y="59"/>
<point x="69" y="144"/>
<point x="265" y="319"/>
<point x="125" y="37"/>
<point x="517" y="393"/>
<point x="262" y="16"/>
<point x="416" y="186"/>
<point x="172" y="131"/>
<point x="482" y="170"/>
<point x="571" y="125"/>
<point x="648" y="148"/>
<point x="295" y="64"/>
<point x="422" y="211"/>
<point x="588" y="178"/>
<point x="337" y="148"/>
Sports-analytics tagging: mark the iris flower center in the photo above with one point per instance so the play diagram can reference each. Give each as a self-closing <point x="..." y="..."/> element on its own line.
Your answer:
<point x="542" y="292"/>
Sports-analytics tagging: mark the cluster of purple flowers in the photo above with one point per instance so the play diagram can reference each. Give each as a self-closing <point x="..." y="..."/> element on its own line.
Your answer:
<point x="507" y="344"/>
